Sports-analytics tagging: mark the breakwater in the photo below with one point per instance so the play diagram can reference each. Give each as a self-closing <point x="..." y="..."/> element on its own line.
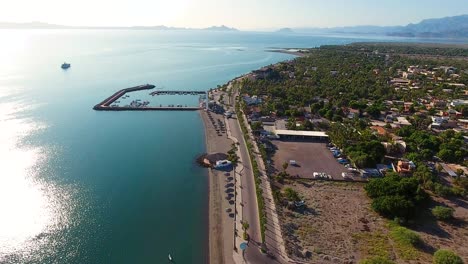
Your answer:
<point x="106" y="104"/>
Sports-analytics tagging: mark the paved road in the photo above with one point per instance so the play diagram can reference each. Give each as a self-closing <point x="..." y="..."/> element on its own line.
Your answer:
<point x="249" y="197"/>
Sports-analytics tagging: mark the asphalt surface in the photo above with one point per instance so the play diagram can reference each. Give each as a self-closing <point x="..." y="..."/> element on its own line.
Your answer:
<point x="249" y="198"/>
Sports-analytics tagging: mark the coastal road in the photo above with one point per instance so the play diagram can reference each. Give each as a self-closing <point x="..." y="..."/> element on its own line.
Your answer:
<point x="249" y="200"/>
<point x="249" y="195"/>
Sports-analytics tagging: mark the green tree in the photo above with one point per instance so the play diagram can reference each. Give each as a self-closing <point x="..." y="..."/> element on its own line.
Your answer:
<point x="394" y="196"/>
<point x="443" y="256"/>
<point x="256" y="126"/>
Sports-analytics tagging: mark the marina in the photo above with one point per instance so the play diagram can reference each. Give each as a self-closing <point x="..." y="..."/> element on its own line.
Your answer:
<point x="112" y="102"/>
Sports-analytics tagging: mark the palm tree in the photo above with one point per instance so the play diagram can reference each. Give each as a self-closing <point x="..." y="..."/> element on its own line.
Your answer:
<point x="245" y="227"/>
<point x="285" y="166"/>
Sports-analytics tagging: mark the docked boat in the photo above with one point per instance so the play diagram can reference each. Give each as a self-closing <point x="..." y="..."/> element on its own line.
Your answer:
<point x="66" y="65"/>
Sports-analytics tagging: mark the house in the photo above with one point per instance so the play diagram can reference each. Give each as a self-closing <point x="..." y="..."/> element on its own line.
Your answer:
<point x="407" y="75"/>
<point x="458" y="85"/>
<point x="403" y="121"/>
<point x="439" y="119"/>
<point x="267" y="121"/>
<point x="380" y="130"/>
<point x="437" y="103"/>
<point x="407" y="106"/>
<point x="254" y="100"/>
<point x="463" y="123"/>
<point x="413" y="69"/>
<point x="399" y="82"/>
<point x="405" y="167"/>
<point x="352" y="113"/>
<point x="458" y="102"/>
<point x="448" y="69"/>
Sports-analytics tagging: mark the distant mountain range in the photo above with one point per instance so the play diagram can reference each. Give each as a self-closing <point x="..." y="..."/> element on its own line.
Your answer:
<point x="221" y="28"/>
<point x="447" y="27"/>
<point x="41" y="25"/>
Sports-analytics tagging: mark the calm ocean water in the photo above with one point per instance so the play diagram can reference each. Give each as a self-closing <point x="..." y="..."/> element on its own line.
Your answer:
<point x="80" y="186"/>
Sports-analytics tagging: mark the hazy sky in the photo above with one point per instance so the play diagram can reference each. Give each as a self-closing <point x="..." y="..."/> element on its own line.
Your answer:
<point x="242" y="14"/>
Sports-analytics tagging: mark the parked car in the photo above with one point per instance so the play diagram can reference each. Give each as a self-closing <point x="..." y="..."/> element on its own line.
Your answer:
<point x="343" y="161"/>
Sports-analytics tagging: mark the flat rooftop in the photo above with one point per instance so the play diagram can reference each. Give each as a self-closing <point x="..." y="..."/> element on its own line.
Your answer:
<point x="282" y="132"/>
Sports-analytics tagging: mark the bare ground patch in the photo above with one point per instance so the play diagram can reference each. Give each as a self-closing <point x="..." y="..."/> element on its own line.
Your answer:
<point x="336" y="226"/>
<point x="339" y="226"/>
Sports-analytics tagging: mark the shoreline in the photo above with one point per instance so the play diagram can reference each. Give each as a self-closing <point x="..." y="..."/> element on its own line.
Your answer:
<point x="295" y="52"/>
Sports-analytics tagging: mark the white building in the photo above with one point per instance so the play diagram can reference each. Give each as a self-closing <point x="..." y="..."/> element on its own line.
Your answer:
<point x="458" y="102"/>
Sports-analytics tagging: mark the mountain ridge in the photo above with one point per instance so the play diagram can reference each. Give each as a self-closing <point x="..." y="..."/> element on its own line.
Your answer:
<point x="42" y="25"/>
<point x="445" y="27"/>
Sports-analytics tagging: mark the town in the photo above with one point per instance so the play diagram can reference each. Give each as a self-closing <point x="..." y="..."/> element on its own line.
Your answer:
<point x="363" y="149"/>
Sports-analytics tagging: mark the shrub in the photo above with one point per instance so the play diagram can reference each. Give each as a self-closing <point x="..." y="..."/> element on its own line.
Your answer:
<point x="406" y="242"/>
<point x="442" y="212"/>
<point x="291" y="194"/>
<point x="405" y="236"/>
<point x="442" y="190"/>
<point x="443" y="256"/>
<point x="376" y="260"/>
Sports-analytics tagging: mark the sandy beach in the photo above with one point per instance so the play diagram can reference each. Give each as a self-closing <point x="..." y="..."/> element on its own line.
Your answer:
<point x="221" y="233"/>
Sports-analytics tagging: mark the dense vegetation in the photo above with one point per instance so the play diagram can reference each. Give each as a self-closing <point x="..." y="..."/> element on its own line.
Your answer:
<point x="330" y="80"/>
<point x="394" y="196"/>
<point x="405" y="48"/>
<point x="345" y="75"/>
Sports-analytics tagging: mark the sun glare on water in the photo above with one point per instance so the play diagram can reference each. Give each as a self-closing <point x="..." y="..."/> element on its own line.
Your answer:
<point x="30" y="208"/>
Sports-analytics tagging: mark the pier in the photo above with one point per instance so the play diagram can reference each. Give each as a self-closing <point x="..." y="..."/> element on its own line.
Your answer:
<point x="106" y="105"/>
<point x="177" y="93"/>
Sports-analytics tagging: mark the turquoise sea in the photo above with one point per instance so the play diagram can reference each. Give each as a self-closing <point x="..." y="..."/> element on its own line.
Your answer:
<point x="80" y="186"/>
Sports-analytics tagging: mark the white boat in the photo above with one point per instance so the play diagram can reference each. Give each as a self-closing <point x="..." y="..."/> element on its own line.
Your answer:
<point x="169" y="257"/>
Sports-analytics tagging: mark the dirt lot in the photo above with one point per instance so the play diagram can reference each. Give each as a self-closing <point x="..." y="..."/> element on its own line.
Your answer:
<point x="325" y="230"/>
<point x="338" y="226"/>
<point x="310" y="157"/>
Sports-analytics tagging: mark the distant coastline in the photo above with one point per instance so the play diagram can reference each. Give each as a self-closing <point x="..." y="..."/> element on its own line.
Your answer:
<point x="455" y="27"/>
<point x="41" y="25"/>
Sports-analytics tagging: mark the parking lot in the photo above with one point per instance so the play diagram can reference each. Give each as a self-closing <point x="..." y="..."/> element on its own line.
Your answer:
<point x="310" y="157"/>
